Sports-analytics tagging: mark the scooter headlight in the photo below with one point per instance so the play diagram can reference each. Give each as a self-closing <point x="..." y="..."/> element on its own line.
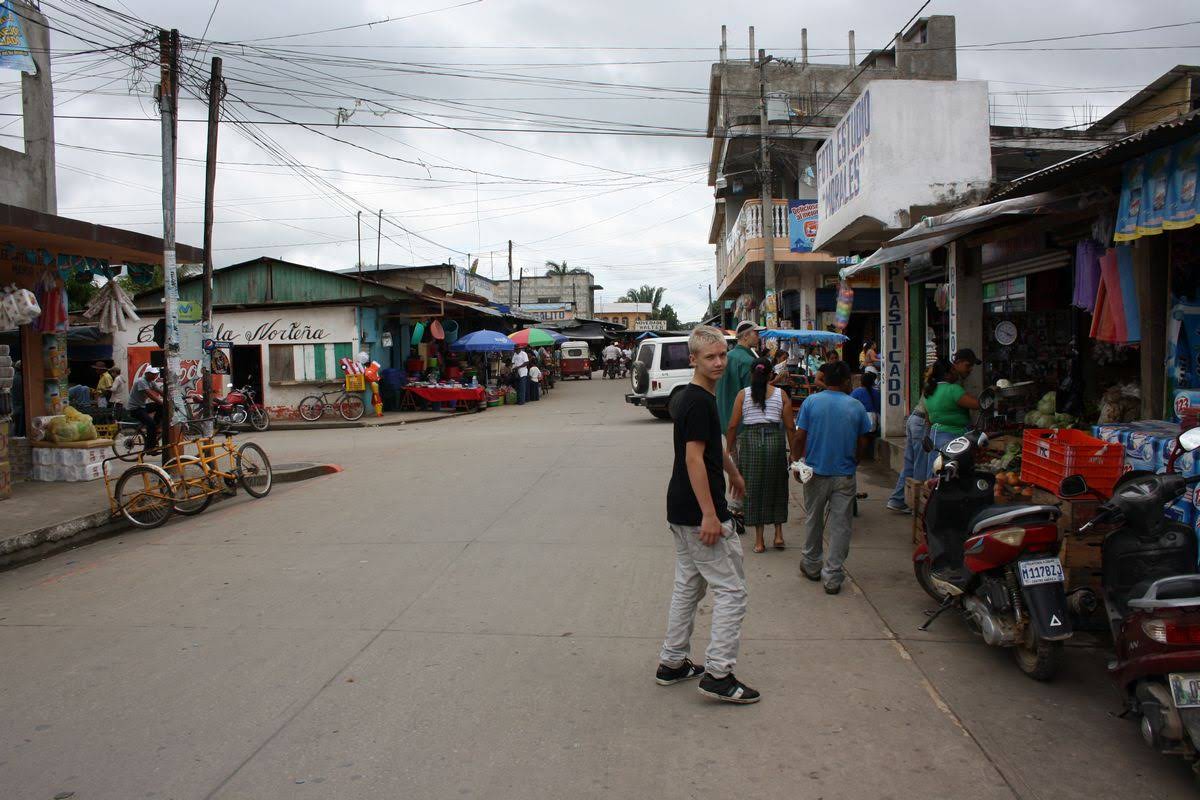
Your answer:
<point x="1013" y="537"/>
<point x="938" y="463"/>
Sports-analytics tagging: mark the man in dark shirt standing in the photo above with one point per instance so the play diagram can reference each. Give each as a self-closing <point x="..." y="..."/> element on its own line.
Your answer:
<point x="707" y="550"/>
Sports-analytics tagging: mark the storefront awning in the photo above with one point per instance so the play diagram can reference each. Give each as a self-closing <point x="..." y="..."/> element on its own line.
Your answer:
<point x="34" y="230"/>
<point x="934" y="232"/>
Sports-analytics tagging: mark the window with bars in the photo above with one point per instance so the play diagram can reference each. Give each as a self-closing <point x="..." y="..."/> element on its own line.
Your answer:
<point x="308" y="363"/>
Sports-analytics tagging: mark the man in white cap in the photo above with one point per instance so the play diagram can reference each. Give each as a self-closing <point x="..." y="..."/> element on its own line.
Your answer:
<point x="144" y="400"/>
<point x="737" y="370"/>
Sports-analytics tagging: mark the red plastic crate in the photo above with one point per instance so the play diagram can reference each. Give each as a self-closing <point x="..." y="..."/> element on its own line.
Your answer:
<point x="1048" y="456"/>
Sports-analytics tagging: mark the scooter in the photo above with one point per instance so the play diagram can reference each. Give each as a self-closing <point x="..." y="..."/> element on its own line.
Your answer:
<point x="995" y="564"/>
<point x="1151" y="592"/>
<point x="239" y="407"/>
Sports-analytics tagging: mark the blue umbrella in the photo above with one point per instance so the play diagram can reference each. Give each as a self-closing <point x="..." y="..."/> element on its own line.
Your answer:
<point x="556" y="336"/>
<point x="807" y="337"/>
<point x="483" y="342"/>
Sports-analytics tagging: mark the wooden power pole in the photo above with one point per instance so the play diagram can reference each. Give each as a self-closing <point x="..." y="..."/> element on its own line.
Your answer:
<point x="768" y="205"/>
<point x="510" y="272"/>
<point x="216" y="90"/>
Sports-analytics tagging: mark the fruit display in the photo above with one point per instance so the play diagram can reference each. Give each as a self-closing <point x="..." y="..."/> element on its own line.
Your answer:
<point x="1010" y="487"/>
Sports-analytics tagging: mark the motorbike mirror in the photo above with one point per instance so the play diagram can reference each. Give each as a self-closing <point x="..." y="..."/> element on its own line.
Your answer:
<point x="927" y="445"/>
<point x="1073" y="486"/>
<point x="1189" y="440"/>
<point x="987" y="399"/>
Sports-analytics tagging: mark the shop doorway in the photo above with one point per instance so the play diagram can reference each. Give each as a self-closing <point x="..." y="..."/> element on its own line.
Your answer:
<point x="246" y="368"/>
<point x="860" y="328"/>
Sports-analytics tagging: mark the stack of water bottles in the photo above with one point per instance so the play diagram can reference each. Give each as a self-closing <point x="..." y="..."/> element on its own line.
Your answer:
<point x="1148" y="446"/>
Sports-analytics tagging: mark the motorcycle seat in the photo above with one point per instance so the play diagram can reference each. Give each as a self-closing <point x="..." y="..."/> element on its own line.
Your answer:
<point x="996" y="516"/>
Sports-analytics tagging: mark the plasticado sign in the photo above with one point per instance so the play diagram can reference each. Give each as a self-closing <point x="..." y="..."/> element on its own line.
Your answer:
<point x="277" y="331"/>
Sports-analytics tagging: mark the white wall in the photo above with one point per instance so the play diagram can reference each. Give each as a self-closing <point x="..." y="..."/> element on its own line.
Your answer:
<point x="903" y="145"/>
<point x="262" y="327"/>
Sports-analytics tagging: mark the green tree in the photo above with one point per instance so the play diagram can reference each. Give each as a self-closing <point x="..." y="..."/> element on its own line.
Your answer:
<point x="645" y="294"/>
<point x="560" y="269"/>
<point x="667" y="313"/>
<point x="80" y="291"/>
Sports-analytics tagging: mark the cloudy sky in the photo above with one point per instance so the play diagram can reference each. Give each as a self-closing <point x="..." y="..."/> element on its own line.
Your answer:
<point x="575" y="129"/>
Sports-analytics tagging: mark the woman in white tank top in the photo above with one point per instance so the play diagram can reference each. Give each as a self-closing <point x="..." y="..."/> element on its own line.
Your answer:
<point x="760" y="435"/>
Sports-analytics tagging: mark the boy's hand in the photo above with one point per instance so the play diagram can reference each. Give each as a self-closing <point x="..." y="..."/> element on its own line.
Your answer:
<point x="737" y="486"/>
<point x="710" y="530"/>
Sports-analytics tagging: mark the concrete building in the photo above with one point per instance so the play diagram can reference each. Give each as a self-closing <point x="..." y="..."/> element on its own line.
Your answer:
<point x="27" y="179"/>
<point x="626" y="314"/>
<point x="1175" y="94"/>
<point x="575" y="289"/>
<point x="447" y="277"/>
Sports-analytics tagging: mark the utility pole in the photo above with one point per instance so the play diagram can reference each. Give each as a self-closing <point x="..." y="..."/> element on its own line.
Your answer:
<point x="768" y="205"/>
<point x="520" y="285"/>
<point x="360" y="287"/>
<point x="216" y="90"/>
<point x="709" y="312"/>
<point x="168" y="106"/>
<point x="510" y="272"/>
<point x="378" y="238"/>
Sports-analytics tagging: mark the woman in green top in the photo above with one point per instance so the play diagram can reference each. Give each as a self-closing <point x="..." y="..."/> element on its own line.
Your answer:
<point x="947" y="404"/>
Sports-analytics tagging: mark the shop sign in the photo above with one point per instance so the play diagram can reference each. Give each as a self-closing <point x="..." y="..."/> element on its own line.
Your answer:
<point x="802" y="225"/>
<point x="650" y="325"/>
<point x="14" y="49"/>
<point x="839" y="161"/>
<point x="1158" y="192"/>
<point x="278" y="331"/>
<point x="893" y="349"/>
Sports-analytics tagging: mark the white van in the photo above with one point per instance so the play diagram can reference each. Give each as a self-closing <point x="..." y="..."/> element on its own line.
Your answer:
<point x="661" y="368"/>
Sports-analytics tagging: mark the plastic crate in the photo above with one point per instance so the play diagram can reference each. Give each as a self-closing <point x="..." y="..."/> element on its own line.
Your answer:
<point x="1048" y="456"/>
<point x="356" y="383"/>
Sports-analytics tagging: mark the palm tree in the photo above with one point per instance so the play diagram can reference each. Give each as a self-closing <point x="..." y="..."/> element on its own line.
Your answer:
<point x="555" y="268"/>
<point x="645" y="294"/>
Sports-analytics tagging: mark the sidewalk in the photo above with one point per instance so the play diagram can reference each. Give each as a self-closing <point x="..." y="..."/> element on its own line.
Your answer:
<point x="368" y="420"/>
<point x="44" y="518"/>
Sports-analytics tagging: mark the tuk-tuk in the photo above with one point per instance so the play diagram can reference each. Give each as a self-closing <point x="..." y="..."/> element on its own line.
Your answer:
<point x="576" y="360"/>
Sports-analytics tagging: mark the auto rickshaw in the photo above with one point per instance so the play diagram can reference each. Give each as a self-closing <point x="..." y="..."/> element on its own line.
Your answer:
<point x="576" y="360"/>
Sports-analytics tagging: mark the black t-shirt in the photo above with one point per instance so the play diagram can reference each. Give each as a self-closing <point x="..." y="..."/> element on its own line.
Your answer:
<point x="695" y="413"/>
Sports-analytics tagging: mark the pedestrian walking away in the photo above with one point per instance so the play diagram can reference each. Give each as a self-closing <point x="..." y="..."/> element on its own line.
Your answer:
<point x="708" y="551"/>
<point x="832" y="434"/>
<point x="759" y="443"/>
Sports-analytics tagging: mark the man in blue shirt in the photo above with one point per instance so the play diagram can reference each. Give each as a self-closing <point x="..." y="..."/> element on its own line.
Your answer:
<point x="833" y="434"/>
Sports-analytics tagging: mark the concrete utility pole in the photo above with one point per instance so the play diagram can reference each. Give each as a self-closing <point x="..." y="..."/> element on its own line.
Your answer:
<point x="853" y="60"/>
<point x="168" y="106"/>
<point x="520" y="285"/>
<point x="804" y="46"/>
<point x="510" y="272"/>
<point x="216" y="90"/>
<point x="360" y="288"/>
<point x="378" y="238"/>
<point x="768" y="205"/>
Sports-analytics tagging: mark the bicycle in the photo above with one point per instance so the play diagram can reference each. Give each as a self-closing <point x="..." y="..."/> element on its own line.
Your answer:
<point x="198" y="478"/>
<point x="130" y="440"/>
<point x="348" y="404"/>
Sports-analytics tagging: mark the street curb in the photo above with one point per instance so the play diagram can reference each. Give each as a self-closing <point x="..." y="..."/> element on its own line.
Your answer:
<point x="35" y="545"/>
<point x="317" y="426"/>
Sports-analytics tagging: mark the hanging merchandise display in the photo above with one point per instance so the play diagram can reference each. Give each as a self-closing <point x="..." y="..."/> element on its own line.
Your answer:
<point x="1087" y="274"/>
<point x="1117" y="318"/>
<point x="112" y="308"/>
<point x="53" y="301"/>
<point x="17" y="307"/>
<point x="845" y="302"/>
<point x="1158" y="192"/>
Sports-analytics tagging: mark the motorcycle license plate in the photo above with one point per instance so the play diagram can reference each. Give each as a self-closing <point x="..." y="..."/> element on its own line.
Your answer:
<point x="1040" y="570"/>
<point x="1185" y="689"/>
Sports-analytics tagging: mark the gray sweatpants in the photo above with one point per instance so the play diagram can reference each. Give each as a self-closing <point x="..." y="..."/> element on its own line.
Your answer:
<point x="698" y="566"/>
<point x="837" y="494"/>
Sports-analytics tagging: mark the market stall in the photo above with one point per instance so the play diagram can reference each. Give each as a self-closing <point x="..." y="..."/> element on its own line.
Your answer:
<point x="812" y="346"/>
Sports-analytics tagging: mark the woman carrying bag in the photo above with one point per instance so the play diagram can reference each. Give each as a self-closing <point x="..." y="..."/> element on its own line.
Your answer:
<point x="759" y="437"/>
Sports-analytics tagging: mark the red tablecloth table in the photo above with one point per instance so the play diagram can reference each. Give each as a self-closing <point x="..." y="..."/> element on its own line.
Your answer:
<point x="446" y="394"/>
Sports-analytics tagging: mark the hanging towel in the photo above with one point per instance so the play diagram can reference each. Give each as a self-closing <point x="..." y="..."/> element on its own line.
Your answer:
<point x="1117" y="318"/>
<point x="1087" y="274"/>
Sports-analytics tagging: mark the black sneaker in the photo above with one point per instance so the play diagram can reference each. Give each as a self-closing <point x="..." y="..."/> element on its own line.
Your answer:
<point x="728" y="689"/>
<point x="684" y="672"/>
<point x="832" y="588"/>
<point x="814" y="577"/>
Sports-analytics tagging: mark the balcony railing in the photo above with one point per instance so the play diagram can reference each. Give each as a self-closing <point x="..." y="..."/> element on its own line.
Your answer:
<point x="749" y="225"/>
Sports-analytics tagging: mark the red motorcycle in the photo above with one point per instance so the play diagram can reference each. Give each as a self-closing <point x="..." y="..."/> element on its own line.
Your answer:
<point x="1151" y="590"/>
<point x="995" y="564"/>
<point x="239" y="407"/>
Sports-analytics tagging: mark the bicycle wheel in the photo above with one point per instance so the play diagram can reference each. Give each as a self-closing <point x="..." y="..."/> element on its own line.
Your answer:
<point x="253" y="470"/>
<point x="351" y="407"/>
<point x="259" y="419"/>
<point x="145" y="496"/>
<point x="191" y="483"/>
<point x="128" y="443"/>
<point x="312" y="408"/>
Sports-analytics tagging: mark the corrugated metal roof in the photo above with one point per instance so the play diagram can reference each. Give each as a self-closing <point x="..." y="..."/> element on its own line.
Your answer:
<point x="1109" y="155"/>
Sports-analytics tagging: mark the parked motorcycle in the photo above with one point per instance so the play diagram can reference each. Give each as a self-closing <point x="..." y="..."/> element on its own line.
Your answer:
<point x="995" y="564"/>
<point x="239" y="407"/>
<point x="1151" y="593"/>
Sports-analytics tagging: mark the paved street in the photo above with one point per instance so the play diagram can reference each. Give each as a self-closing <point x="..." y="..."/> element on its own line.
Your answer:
<point x="473" y="609"/>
